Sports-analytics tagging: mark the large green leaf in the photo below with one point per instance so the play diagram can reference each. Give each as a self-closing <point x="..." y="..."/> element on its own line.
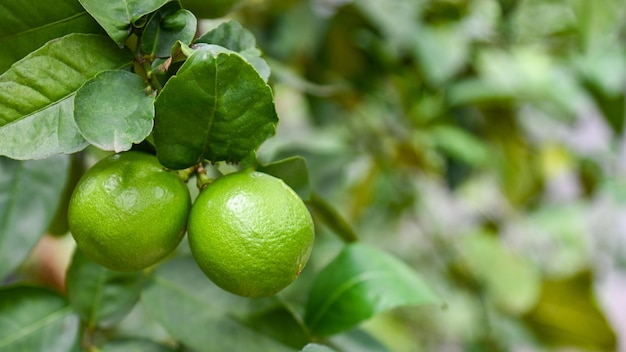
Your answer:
<point x="233" y="36"/>
<point x="360" y="282"/>
<point x="114" y="109"/>
<point x="217" y="107"/>
<point x="117" y="17"/>
<point x="101" y="296"/>
<point x="37" y="94"/>
<point x="29" y="195"/>
<point x="27" y="25"/>
<point x="34" y="319"/>
<point x="198" y="313"/>
<point x="169" y="25"/>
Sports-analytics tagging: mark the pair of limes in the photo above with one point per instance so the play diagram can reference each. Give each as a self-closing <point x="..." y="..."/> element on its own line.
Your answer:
<point x="248" y="231"/>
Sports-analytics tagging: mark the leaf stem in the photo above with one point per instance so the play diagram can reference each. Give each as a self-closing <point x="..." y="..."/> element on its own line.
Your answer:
<point x="185" y="174"/>
<point x="202" y="179"/>
<point x="332" y="218"/>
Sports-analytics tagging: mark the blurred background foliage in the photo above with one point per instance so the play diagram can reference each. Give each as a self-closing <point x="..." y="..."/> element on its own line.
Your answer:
<point x="480" y="141"/>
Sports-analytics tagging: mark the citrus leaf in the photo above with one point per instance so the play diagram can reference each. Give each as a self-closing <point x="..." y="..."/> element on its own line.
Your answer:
<point x="275" y="319"/>
<point x="116" y="17"/>
<point x="27" y="25"/>
<point x="113" y="110"/>
<point x="293" y="171"/>
<point x="198" y="313"/>
<point x="233" y="36"/>
<point x="29" y="195"/>
<point x="360" y="282"/>
<point x="37" y="94"/>
<point x="101" y="296"/>
<point x="217" y="107"/>
<point x="165" y="28"/>
<point x="35" y="319"/>
<point x="133" y="345"/>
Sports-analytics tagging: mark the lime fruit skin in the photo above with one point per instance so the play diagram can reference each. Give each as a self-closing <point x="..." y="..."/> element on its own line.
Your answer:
<point x="128" y="212"/>
<point x="250" y="233"/>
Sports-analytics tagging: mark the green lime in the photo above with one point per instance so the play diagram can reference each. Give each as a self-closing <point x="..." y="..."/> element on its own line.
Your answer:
<point x="250" y="233"/>
<point x="128" y="212"/>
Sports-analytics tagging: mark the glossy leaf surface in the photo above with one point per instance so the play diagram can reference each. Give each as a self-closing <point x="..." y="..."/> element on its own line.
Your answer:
<point x="166" y="27"/>
<point x="360" y="282"/>
<point x="27" y="25"/>
<point x="113" y="110"/>
<point x="217" y="108"/>
<point x="117" y="17"/>
<point x="37" y="94"/>
<point x="233" y="36"/>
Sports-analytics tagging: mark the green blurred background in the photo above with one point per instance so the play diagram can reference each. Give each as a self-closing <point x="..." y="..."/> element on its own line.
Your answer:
<point x="479" y="141"/>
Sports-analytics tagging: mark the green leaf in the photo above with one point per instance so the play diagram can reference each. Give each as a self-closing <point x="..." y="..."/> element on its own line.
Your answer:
<point x="233" y="36"/>
<point x="331" y="218"/>
<point x="101" y="296"/>
<point x="217" y="107"/>
<point x="360" y="282"/>
<point x="511" y="283"/>
<point x="133" y="345"/>
<point x="198" y="313"/>
<point x="165" y="28"/>
<point x="313" y="347"/>
<point x="35" y="319"/>
<point x="113" y="110"/>
<point x="293" y="171"/>
<point x="274" y="318"/>
<point x="117" y="17"/>
<point x="29" y="195"/>
<point x="27" y="25"/>
<point x="37" y="94"/>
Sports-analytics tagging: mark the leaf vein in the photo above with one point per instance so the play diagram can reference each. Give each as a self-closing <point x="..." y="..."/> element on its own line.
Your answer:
<point x="47" y="25"/>
<point x="36" y="325"/>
